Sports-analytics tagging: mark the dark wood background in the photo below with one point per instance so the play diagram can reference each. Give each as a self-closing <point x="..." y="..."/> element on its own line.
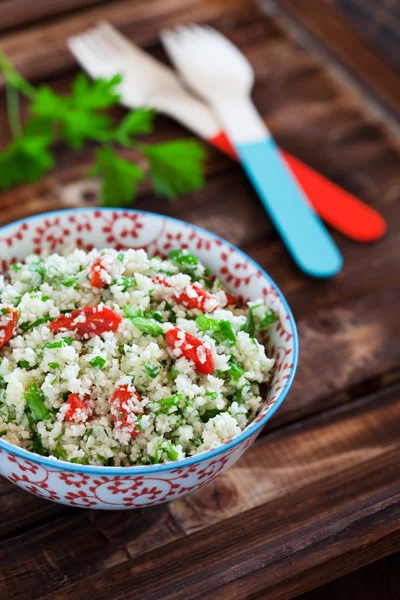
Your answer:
<point x="317" y="496"/>
<point x="376" y="21"/>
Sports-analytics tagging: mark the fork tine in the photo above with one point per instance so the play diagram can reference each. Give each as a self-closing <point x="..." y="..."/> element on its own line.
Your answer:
<point x="114" y="37"/>
<point x="95" y="40"/>
<point x="85" y="56"/>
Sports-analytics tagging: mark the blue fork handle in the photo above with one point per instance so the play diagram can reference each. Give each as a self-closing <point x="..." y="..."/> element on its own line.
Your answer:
<point x="308" y="241"/>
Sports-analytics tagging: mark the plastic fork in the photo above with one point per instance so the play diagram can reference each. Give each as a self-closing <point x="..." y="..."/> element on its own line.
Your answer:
<point x="103" y="52"/>
<point x="223" y="77"/>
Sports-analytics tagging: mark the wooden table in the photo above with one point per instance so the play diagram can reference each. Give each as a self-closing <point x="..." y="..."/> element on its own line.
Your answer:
<point x="317" y="495"/>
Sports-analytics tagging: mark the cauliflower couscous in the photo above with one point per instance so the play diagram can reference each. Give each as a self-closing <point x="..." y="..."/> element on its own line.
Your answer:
<point x="118" y="359"/>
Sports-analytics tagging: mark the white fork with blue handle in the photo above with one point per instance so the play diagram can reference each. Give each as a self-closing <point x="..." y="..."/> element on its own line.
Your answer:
<point x="218" y="72"/>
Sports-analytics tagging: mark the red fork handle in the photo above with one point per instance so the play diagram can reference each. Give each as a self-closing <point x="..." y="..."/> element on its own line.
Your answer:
<point x="336" y="206"/>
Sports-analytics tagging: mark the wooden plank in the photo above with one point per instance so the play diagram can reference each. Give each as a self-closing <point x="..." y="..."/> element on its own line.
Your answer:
<point x="327" y="26"/>
<point x="378" y="580"/>
<point x="18" y="13"/>
<point x="307" y="495"/>
<point x="41" y="52"/>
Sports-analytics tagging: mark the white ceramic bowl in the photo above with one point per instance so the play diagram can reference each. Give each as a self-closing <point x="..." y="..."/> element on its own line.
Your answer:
<point x="131" y="487"/>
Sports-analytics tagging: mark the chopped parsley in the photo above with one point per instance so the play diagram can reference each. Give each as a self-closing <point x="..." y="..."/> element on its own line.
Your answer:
<point x="144" y="324"/>
<point x="98" y="362"/>
<point x="151" y="371"/>
<point x="66" y="341"/>
<point x="54" y="365"/>
<point x="125" y="282"/>
<point x="24" y="364"/>
<point x="138" y="422"/>
<point x="235" y="370"/>
<point x="27" y="326"/>
<point x="60" y="452"/>
<point x="34" y="399"/>
<point x="172" y="453"/>
<point x="221" y="330"/>
<point x="267" y="320"/>
<point x="68" y="281"/>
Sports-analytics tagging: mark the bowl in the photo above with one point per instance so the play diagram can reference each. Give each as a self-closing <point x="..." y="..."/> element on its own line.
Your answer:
<point x="115" y="488"/>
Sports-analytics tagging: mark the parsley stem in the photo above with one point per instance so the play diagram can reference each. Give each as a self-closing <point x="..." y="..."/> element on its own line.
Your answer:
<point x="13" y="115"/>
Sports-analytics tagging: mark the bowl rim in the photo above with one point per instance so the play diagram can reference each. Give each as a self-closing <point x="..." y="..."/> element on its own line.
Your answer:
<point x="250" y="430"/>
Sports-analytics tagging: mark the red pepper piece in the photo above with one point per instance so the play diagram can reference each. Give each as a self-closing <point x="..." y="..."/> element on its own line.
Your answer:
<point x="192" y="348"/>
<point x="8" y="321"/>
<point x="122" y="403"/>
<point x="97" y="321"/>
<point x="78" y="408"/>
<point x="230" y="299"/>
<point x="201" y="301"/>
<point x="97" y="272"/>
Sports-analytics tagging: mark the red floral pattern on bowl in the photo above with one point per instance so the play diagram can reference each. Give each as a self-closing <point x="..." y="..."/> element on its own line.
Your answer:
<point x="131" y="487"/>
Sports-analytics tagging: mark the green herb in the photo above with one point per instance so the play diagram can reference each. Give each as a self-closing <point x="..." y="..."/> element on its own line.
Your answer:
<point x="68" y="281"/>
<point x="151" y="371"/>
<point x="121" y="257"/>
<point x="35" y="402"/>
<point x="138" y="420"/>
<point x="107" y="462"/>
<point x="125" y="282"/>
<point x="153" y="314"/>
<point x="207" y="324"/>
<point x="175" y="167"/>
<point x="4" y="311"/>
<point x="3" y="432"/>
<point x="89" y="433"/>
<point x="53" y="365"/>
<point x="66" y="341"/>
<point x="144" y="324"/>
<point x="250" y="326"/>
<point x="27" y="326"/>
<point x="59" y="436"/>
<point x="172" y="373"/>
<point x="60" y="452"/>
<point x="37" y="445"/>
<point x="38" y="267"/>
<point x="222" y="330"/>
<point x="45" y="298"/>
<point x="166" y="403"/>
<point x="172" y="453"/>
<point x="98" y="362"/>
<point x="210" y="414"/>
<point x="213" y="395"/>
<point x="16" y="267"/>
<point x="24" y="364"/>
<point x="65" y="395"/>
<point x="80" y="461"/>
<point x="180" y="257"/>
<point x="235" y="370"/>
<point x="267" y="320"/>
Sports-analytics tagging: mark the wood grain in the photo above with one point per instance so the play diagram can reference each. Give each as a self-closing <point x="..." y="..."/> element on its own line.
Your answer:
<point x="302" y="493"/>
<point x="315" y="497"/>
<point x="328" y="27"/>
<point x="17" y="13"/>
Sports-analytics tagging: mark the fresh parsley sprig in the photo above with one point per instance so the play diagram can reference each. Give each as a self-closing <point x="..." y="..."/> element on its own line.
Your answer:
<point x="173" y="167"/>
